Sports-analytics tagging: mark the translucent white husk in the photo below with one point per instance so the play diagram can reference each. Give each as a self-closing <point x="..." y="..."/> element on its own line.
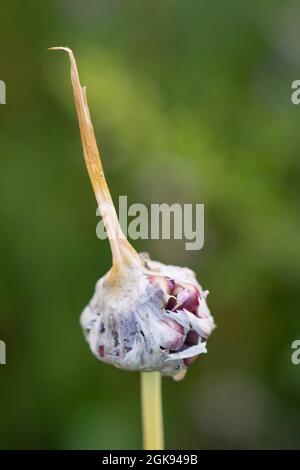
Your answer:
<point x="124" y="324"/>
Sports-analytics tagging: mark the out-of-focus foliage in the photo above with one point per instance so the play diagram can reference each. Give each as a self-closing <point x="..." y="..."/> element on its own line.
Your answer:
<point x="191" y="103"/>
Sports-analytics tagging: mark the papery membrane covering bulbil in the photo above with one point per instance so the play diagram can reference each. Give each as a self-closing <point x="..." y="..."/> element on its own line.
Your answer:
<point x="143" y="315"/>
<point x="155" y="319"/>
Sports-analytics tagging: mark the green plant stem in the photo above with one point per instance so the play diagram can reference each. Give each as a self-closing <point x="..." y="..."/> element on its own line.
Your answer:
<point x="153" y="432"/>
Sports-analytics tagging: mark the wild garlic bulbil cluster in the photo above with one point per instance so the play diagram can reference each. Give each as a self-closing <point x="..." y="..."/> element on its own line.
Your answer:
<point x="143" y="315"/>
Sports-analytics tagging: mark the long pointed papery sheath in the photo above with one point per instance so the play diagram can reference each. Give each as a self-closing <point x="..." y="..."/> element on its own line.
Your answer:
<point x="143" y="315"/>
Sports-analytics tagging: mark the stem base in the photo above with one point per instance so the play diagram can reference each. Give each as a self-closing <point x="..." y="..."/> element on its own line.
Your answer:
<point x="153" y="434"/>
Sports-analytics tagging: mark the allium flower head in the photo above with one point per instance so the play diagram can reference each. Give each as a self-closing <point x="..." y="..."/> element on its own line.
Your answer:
<point x="152" y="317"/>
<point x="144" y="315"/>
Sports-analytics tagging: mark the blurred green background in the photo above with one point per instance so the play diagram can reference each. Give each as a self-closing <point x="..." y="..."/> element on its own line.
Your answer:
<point x="191" y="102"/>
